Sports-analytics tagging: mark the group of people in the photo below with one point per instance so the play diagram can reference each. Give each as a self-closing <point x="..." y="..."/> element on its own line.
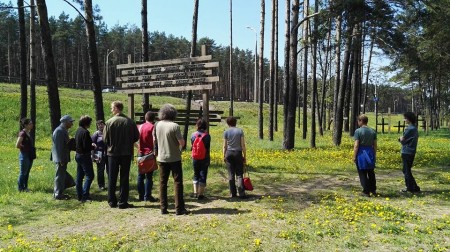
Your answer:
<point x="111" y="147"/>
<point x="365" y="149"/>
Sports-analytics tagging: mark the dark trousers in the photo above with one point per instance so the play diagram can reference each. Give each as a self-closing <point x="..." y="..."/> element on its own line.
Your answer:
<point x="118" y="164"/>
<point x="84" y="169"/>
<point x="235" y="166"/>
<point x="410" y="182"/>
<point x="101" y="167"/>
<point x="200" y="171"/>
<point x="145" y="189"/>
<point x="368" y="181"/>
<point x="177" y="174"/>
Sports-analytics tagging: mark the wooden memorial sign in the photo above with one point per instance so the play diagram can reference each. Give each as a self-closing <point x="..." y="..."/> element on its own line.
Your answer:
<point x="195" y="73"/>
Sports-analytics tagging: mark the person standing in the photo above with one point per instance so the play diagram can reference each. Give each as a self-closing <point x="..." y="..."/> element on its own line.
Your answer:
<point x="168" y="142"/>
<point x="84" y="146"/>
<point x="364" y="155"/>
<point x="61" y="155"/>
<point x="100" y="155"/>
<point x="409" y="146"/>
<point x="145" y="148"/>
<point x="234" y="154"/>
<point x="27" y="153"/>
<point x="200" y="164"/>
<point x="119" y="135"/>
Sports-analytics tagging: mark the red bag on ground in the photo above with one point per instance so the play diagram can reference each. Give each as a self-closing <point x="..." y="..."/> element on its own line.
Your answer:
<point x="248" y="184"/>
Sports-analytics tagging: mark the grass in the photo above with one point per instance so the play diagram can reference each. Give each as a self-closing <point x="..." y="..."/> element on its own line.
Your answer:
<point x="304" y="200"/>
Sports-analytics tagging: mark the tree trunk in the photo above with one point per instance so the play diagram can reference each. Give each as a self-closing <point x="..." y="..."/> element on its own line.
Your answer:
<point x="305" y="69"/>
<point x="277" y="89"/>
<point x="145" y="58"/>
<point x="231" y="60"/>
<point x="356" y="79"/>
<point x="23" y="61"/>
<point x="368" y="73"/>
<point x="292" y="77"/>
<point x="261" y="71"/>
<point x="337" y="137"/>
<point x="93" y="61"/>
<point x="314" y="74"/>
<point x="193" y="54"/>
<point x="33" y="68"/>
<point x="337" y="85"/>
<point x="272" y="75"/>
<point x="286" y="77"/>
<point x="50" y="70"/>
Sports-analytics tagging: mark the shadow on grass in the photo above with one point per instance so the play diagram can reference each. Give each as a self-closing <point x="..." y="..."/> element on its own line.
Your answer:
<point x="220" y="210"/>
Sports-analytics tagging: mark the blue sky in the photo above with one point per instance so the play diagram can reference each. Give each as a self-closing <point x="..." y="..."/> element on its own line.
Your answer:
<point x="175" y="17"/>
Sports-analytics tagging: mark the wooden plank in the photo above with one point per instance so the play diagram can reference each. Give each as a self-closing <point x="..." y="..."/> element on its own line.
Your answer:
<point x="165" y="62"/>
<point x="183" y="111"/>
<point x="169" y="76"/>
<point x="166" y="89"/>
<point x="159" y="69"/>
<point x="170" y="83"/>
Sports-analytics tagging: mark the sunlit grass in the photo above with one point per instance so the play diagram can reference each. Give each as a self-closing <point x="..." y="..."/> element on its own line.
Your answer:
<point x="304" y="199"/>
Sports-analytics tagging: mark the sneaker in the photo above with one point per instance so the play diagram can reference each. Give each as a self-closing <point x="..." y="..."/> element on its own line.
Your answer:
<point x="183" y="212"/>
<point x="152" y="199"/>
<point x="63" y="197"/>
<point x="88" y="199"/>
<point x="164" y="211"/>
<point x="405" y="190"/>
<point x="365" y="194"/>
<point x="102" y="188"/>
<point x="112" y="205"/>
<point x="125" y="206"/>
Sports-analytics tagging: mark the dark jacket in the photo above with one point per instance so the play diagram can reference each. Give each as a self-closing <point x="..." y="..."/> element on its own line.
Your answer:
<point x="120" y="134"/>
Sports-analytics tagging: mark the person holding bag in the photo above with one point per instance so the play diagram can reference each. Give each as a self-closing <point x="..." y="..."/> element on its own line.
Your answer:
<point x="234" y="153"/>
<point x="200" y="141"/>
<point x="99" y="155"/>
<point x="146" y="167"/>
<point x="409" y="147"/>
<point x="27" y="153"/>
<point x="364" y="153"/>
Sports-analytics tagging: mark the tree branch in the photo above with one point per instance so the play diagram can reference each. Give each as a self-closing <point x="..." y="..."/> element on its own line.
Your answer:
<point x="76" y="10"/>
<point x="306" y="18"/>
<point x="12" y="7"/>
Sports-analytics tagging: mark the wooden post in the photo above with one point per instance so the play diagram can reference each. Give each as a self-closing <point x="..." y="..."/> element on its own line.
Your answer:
<point x="382" y="125"/>
<point x="203" y="50"/>
<point x="131" y="106"/>
<point x="206" y="106"/>
<point x="389" y="120"/>
<point x="398" y="129"/>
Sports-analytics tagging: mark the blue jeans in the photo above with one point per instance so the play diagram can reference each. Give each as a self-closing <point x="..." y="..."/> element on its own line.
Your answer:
<point x="410" y="182"/>
<point x="145" y="190"/>
<point x="84" y="168"/>
<point x="25" y="164"/>
<point x="200" y="171"/>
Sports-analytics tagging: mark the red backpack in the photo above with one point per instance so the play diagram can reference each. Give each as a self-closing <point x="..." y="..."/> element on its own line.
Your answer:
<point x="198" y="147"/>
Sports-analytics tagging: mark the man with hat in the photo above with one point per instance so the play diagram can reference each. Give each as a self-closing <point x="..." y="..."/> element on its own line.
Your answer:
<point x="61" y="155"/>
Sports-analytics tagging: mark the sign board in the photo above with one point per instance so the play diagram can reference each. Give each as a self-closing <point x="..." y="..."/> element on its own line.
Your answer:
<point x="195" y="73"/>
